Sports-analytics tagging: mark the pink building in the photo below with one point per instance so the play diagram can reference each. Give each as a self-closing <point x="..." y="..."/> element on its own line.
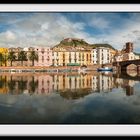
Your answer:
<point x="44" y="56"/>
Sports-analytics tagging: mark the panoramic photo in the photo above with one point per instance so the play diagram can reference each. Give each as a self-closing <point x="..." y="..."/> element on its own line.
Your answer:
<point x="69" y="68"/>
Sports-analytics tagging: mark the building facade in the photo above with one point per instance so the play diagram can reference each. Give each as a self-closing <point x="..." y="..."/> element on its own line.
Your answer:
<point x="44" y="56"/>
<point x="70" y="55"/>
<point x="126" y="53"/>
<point x="101" y="55"/>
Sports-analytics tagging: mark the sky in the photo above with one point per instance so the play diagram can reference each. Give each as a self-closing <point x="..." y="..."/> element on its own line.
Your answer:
<point x="29" y="29"/>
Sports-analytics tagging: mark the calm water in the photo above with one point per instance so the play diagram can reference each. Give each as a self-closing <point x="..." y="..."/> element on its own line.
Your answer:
<point x="70" y="98"/>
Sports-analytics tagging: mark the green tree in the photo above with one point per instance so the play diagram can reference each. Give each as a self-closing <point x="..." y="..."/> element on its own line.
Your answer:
<point x="5" y="59"/>
<point x="11" y="57"/>
<point x="33" y="56"/>
<point x="22" y="56"/>
<point x="1" y="59"/>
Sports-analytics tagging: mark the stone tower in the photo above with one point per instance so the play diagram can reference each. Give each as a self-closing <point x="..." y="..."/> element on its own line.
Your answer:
<point x="129" y="47"/>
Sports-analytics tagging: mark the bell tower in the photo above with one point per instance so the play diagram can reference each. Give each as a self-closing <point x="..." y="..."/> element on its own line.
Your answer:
<point x="129" y="47"/>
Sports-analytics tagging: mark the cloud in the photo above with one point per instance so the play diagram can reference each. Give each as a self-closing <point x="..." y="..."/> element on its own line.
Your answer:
<point x="8" y="38"/>
<point x="43" y="29"/>
<point x="100" y="23"/>
<point x="48" y="29"/>
<point x="10" y="35"/>
<point x="131" y="33"/>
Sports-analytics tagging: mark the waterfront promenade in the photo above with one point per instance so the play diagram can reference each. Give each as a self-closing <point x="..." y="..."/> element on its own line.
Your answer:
<point x="44" y="68"/>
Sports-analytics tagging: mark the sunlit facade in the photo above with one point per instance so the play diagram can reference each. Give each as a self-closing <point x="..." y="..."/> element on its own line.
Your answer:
<point x="101" y="55"/>
<point x="71" y="56"/>
<point x="44" y="56"/>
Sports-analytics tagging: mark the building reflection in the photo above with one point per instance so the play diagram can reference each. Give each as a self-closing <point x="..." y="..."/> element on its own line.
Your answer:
<point x="69" y="86"/>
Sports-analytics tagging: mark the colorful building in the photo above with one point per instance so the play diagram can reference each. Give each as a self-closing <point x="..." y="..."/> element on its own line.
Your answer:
<point x="44" y="56"/>
<point x="71" y="52"/>
<point x="126" y="53"/>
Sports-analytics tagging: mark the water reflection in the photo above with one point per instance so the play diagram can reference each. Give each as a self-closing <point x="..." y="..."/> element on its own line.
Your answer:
<point x="67" y="85"/>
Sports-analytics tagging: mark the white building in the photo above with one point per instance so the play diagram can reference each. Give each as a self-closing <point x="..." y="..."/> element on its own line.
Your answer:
<point x="137" y="56"/>
<point x="94" y="56"/>
<point x="101" y="55"/>
<point x="118" y="58"/>
<point x="128" y="56"/>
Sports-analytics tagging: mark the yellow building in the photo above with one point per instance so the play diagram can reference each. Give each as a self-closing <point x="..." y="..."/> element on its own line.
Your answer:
<point x="4" y="52"/>
<point x="72" y="52"/>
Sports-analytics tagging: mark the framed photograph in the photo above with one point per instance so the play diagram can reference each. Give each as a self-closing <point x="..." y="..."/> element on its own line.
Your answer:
<point x="69" y="69"/>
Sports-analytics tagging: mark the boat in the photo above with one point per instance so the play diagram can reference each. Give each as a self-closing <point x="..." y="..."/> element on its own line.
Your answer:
<point x="105" y="69"/>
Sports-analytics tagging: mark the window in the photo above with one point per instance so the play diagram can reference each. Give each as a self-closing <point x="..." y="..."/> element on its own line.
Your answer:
<point x="69" y="55"/>
<point x="63" y="56"/>
<point x="83" y="57"/>
<point x="42" y="50"/>
<point x="42" y="82"/>
<point x="90" y="56"/>
<point x="87" y="57"/>
<point x="48" y="58"/>
<point x="79" y="57"/>
<point x="42" y="58"/>
<point x="75" y="55"/>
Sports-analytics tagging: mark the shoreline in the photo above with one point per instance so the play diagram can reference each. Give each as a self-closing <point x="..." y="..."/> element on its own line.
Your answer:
<point x="45" y="68"/>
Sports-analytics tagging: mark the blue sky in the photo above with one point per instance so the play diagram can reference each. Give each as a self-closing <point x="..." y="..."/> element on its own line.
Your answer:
<point x="47" y="29"/>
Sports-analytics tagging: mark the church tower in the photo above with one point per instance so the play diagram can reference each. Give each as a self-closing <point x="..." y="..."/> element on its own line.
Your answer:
<point x="129" y="47"/>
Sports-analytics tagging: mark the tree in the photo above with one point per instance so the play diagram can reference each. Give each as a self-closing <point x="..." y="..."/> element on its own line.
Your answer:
<point x="33" y="56"/>
<point x="11" y="57"/>
<point x="5" y="59"/>
<point x="1" y="59"/>
<point x="22" y="56"/>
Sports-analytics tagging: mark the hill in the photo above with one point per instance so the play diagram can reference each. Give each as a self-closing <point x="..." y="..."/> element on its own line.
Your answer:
<point x="75" y="43"/>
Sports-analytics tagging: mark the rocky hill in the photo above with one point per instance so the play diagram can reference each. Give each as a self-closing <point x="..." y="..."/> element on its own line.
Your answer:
<point x="79" y="43"/>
